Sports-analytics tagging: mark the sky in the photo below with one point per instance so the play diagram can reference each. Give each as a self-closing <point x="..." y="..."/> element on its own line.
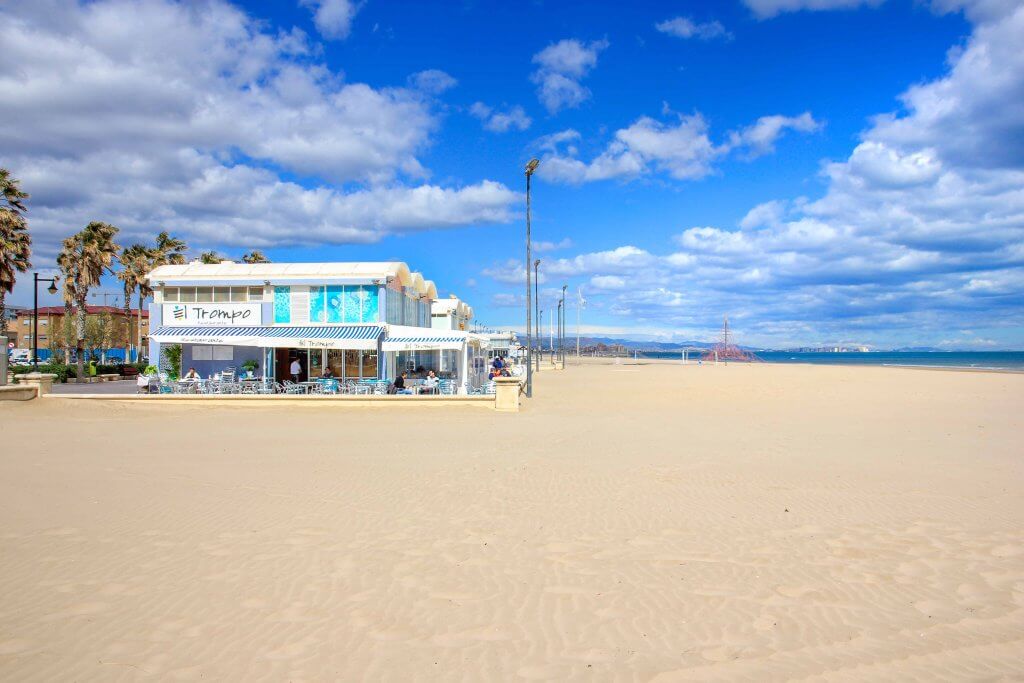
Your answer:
<point x="821" y="171"/>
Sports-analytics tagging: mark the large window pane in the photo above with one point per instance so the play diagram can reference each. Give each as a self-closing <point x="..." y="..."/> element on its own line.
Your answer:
<point x="282" y="305"/>
<point x="240" y="294"/>
<point x="188" y="295"/>
<point x="317" y="308"/>
<point x="369" y="299"/>
<point x="369" y="364"/>
<point x="204" y="294"/>
<point x="221" y="294"/>
<point x="335" y="361"/>
<point x="351" y="364"/>
<point x="171" y="294"/>
<point x="255" y="294"/>
<point x="335" y="304"/>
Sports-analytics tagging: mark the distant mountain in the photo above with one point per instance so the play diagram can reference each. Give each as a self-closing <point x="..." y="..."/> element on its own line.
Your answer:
<point x="917" y="349"/>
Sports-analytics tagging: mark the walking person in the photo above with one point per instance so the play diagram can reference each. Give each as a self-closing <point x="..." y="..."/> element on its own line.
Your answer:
<point x="296" y="370"/>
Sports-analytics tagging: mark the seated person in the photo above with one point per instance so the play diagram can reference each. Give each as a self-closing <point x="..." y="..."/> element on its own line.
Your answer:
<point x="430" y="384"/>
<point x="400" y="384"/>
<point x="498" y="365"/>
<point x="327" y="374"/>
<point x="142" y="383"/>
<point x="191" y="375"/>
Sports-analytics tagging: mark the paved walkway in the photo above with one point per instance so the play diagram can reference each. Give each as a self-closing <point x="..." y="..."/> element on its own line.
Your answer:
<point x="125" y="386"/>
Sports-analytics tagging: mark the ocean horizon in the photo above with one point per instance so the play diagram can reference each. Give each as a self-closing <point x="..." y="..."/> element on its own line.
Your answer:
<point x="967" y="360"/>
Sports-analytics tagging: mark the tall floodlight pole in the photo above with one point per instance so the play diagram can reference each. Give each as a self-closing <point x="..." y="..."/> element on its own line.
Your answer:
<point x="558" y="323"/>
<point x="536" y="303"/>
<point x="52" y="289"/>
<point x="579" y="304"/>
<point x="561" y="328"/>
<point x="530" y="168"/>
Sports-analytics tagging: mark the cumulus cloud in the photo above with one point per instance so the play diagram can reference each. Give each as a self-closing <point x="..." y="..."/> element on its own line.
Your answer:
<point x="760" y="138"/>
<point x="683" y="27"/>
<point x="432" y="81"/>
<point x="501" y="121"/>
<point x="560" y="68"/>
<point x="154" y="114"/>
<point x="682" y="149"/>
<point x="920" y="229"/>
<point x="333" y="18"/>
<point x="770" y="8"/>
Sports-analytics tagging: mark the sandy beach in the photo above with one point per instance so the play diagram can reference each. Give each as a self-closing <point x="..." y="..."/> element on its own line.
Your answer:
<point x="636" y="523"/>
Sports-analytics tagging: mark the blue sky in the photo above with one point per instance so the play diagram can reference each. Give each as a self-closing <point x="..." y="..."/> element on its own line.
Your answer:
<point x="823" y="171"/>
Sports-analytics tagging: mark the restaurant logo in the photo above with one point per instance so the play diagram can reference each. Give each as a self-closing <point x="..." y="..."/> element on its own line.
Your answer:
<point x="221" y="315"/>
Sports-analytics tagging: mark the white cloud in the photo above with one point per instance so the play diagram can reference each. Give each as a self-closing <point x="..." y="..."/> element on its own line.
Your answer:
<point x="760" y="138"/>
<point x="560" y="68"/>
<point x="683" y="149"/>
<point x="767" y="214"/>
<point x="683" y="27"/>
<point x="186" y="116"/>
<point x="333" y="18"/>
<point x="770" y="8"/>
<point x="501" y="121"/>
<point x="542" y="247"/>
<point x="432" y="81"/>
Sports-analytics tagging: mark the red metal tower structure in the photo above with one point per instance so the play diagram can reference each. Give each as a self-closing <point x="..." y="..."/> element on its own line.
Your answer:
<point x="726" y="351"/>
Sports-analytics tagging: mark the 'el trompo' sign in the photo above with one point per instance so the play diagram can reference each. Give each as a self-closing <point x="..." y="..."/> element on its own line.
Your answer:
<point x="212" y="314"/>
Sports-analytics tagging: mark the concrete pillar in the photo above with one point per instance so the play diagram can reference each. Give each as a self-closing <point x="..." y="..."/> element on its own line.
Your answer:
<point x="42" y="381"/>
<point x="506" y="395"/>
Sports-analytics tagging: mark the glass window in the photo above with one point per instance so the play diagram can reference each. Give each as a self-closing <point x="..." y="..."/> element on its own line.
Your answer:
<point x="316" y="363"/>
<point x="188" y="295"/>
<point x="282" y="305"/>
<point x="335" y="303"/>
<point x="204" y="294"/>
<point x="255" y="294"/>
<point x="317" y="301"/>
<point x="369" y="364"/>
<point x="335" y="361"/>
<point x="170" y="293"/>
<point x="240" y="294"/>
<point x="221" y="294"/>
<point x="351" y="364"/>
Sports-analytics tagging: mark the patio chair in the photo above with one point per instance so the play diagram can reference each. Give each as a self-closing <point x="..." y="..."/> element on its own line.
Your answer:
<point x="291" y="387"/>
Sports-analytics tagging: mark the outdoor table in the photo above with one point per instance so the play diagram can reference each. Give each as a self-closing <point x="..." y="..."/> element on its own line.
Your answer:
<point x="310" y="385"/>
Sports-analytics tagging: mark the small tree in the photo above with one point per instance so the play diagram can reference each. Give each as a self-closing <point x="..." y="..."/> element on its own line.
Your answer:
<point x="172" y="354"/>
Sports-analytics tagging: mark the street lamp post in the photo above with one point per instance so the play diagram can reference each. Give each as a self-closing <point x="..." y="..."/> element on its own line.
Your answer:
<point x="52" y="289"/>
<point x="561" y="327"/>
<point x="559" y="324"/>
<point x="536" y="303"/>
<point x="530" y="168"/>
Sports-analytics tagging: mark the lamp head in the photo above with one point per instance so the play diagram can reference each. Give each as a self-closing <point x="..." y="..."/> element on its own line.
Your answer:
<point x="531" y="166"/>
<point x="52" y="289"/>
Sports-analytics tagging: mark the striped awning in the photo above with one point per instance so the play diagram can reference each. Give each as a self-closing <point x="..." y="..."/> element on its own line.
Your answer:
<point x="425" y="342"/>
<point x="284" y="336"/>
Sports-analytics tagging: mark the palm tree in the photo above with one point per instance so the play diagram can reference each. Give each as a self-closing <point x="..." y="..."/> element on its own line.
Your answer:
<point x="15" y="242"/>
<point x="135" y="262"/>
<point x="169" y="251"/>
<point x="255" y="256"/>
<point x="210" y="257"/>
<point x="84" y="258"/>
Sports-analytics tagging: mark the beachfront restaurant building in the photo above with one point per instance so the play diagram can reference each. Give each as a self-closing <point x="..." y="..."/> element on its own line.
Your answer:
<point x="364" y="321"/>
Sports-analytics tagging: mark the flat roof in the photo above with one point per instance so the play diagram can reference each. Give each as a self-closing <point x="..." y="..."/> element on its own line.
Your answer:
<point x="230" y="271"/>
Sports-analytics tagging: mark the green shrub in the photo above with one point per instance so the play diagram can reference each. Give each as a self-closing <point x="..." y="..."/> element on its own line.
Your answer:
<point x="62" y="371"/>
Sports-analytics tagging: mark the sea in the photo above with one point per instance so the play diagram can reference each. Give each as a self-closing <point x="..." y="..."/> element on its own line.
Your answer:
<point x="967" y="360"/>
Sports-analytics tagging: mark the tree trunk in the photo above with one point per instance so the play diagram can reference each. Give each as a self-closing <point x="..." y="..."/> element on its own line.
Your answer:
<point x="80" y="342"/>
<point x="3" y="312"/>
<point x="127" y="323"/>
<point x="64" y="327"/>
<point x="138" y="326"/>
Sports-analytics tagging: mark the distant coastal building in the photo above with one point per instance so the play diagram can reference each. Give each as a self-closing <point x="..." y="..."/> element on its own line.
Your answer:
<point x="360" y="320"/>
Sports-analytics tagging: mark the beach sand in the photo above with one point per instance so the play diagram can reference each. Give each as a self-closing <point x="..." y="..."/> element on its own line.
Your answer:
<point x="653" y="522"/>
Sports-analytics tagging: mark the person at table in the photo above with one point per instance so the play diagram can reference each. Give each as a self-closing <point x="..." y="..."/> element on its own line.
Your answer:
<point x="430" y="383"/>
<point x="191" y="375"/>
<point x="295" y="370"/>
<point x="400" y="387"/>
<point x="498" y="364"/>
<point x="327" y="374"/>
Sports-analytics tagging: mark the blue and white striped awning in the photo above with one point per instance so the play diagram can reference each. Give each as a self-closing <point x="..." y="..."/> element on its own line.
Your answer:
<point x="404" y="339"/>
<point x="283" y="336"/>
